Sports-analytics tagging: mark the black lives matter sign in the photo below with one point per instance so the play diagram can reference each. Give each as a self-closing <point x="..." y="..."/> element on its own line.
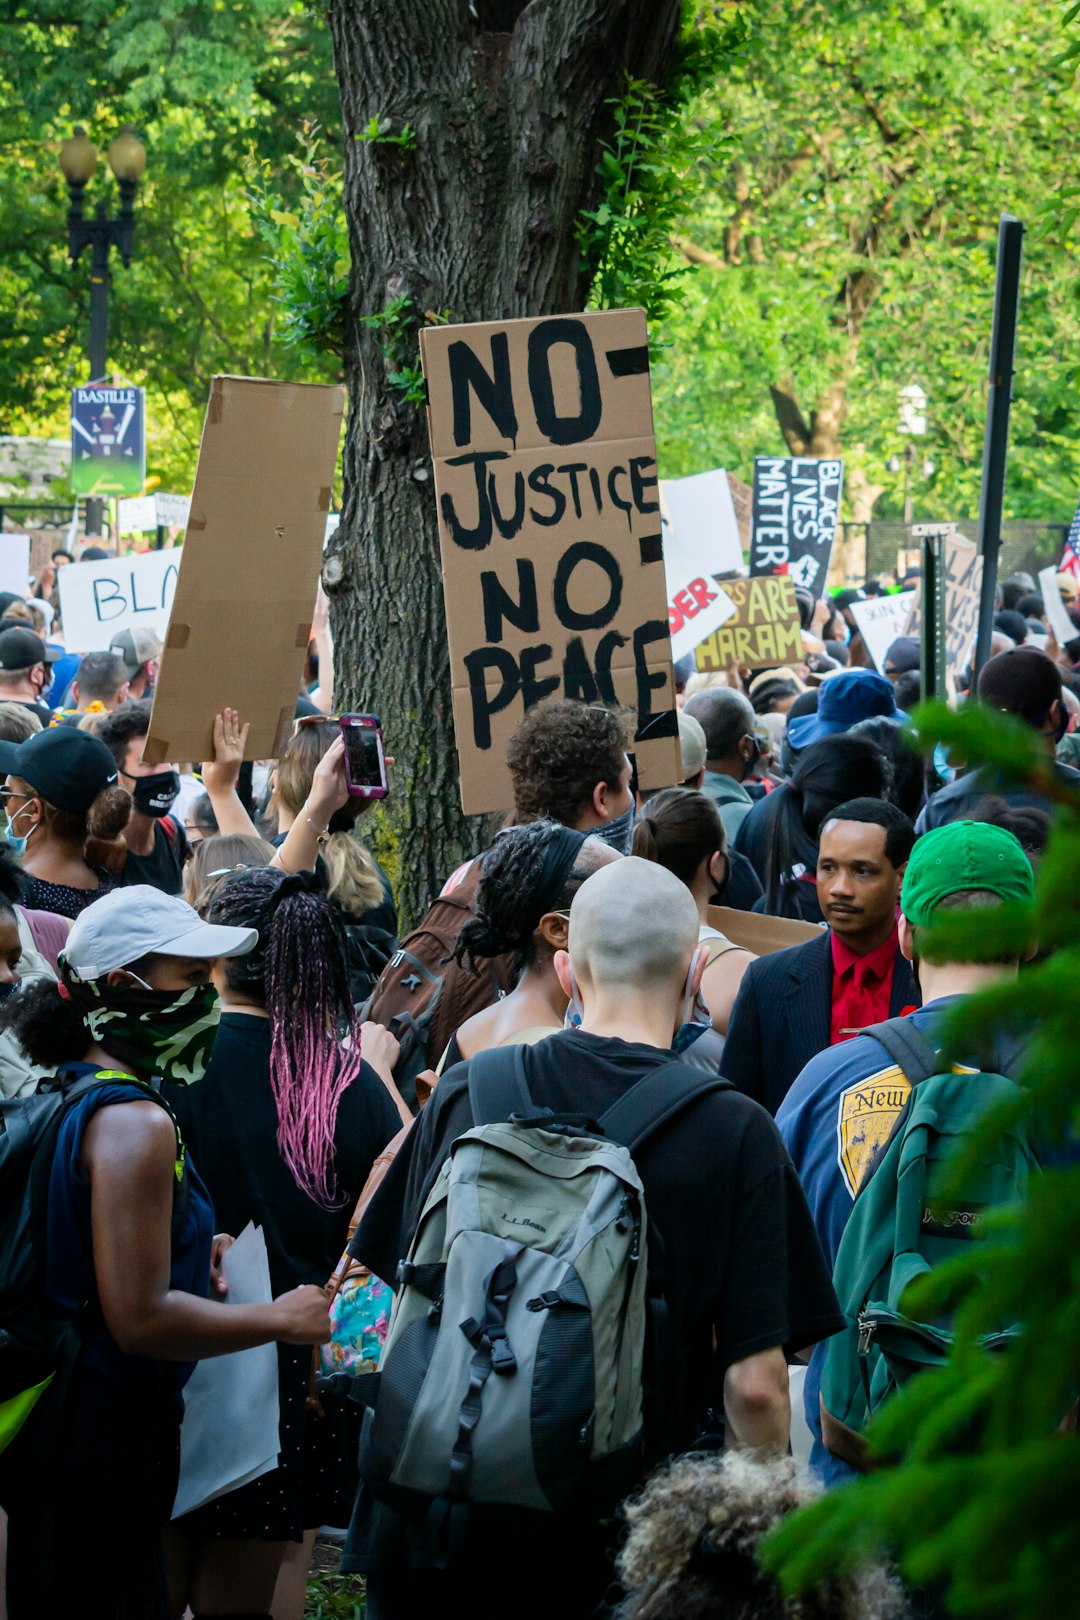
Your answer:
<point x="795" y="516"/>
<point x="549" y="523"/>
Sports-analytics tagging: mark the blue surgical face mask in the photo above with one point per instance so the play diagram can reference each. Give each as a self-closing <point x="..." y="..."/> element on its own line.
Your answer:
<point x="17" y="844"/>
<point x="941" y="763"/>
<point x="618" y="833"/>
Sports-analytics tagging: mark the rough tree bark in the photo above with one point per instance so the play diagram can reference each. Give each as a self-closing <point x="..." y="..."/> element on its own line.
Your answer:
<point x="477" y="221"/>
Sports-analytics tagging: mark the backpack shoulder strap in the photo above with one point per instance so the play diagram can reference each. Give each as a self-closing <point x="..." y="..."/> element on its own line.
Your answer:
<point x="907" y="1047"/>
<point x="497" y="1086"/>
<point x="655" y="1099"/>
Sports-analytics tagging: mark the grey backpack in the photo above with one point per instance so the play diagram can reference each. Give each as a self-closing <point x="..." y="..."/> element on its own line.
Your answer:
<point x="512" y="1369"/>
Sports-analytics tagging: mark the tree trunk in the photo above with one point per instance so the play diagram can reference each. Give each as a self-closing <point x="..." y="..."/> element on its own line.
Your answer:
<point x="474" y="221"/>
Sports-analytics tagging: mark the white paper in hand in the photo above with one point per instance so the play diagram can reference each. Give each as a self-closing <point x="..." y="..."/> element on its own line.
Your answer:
<point x="1054" y="608"/>
<point x="230" y="1430"/>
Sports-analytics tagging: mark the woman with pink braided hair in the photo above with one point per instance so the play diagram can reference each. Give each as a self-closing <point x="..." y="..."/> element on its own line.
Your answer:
<point x="296" y="1103"/>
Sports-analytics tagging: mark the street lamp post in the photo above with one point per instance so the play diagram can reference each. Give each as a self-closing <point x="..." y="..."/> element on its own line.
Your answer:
<point x="78" y="160"/>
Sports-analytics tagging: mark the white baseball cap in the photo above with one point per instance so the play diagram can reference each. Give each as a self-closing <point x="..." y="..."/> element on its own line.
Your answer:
<point x="128" y="924"/>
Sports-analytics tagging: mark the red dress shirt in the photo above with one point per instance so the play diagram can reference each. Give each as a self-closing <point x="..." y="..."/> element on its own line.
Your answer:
<point x="861" y="987"/>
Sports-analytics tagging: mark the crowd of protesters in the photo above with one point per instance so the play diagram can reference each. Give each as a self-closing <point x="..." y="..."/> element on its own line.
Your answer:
<point x="208" y="957"/>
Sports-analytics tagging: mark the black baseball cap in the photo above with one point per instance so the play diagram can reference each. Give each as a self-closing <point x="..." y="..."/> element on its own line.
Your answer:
<point x="68" y="768"/>
<point x="22" y="648"/>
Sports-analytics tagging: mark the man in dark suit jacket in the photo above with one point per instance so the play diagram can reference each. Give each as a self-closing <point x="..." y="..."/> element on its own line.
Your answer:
<point x="793" y="1004"/>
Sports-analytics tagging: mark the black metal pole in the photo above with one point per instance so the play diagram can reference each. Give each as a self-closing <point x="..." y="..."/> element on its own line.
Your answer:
<point x="99" y="334"/>
<point x="932" y="657"/>
<point x="996" y="442"/>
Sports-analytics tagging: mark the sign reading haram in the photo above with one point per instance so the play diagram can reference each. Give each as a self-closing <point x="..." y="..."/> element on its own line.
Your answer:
<point x="108" y="441"/>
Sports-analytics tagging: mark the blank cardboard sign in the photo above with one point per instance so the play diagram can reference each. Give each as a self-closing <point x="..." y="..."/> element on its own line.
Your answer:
<point x="249" y="567"/>
<point x="549" y="523"/>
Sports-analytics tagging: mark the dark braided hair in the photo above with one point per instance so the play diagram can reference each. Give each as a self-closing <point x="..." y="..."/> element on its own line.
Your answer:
<point x="508" y="894"/>
<point x="299" y="969"/>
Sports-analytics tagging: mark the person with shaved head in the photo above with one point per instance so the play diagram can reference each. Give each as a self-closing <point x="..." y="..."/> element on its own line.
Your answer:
<point x="742" y="1275"/>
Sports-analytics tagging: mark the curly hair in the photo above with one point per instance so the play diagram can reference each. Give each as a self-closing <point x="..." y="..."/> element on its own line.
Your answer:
<point x="559" y="754"/>
<point x="509" y="893"/>
<point x="695" y="1530"/>
<point x="299" y="969"/>
<point x="119" y="729"/>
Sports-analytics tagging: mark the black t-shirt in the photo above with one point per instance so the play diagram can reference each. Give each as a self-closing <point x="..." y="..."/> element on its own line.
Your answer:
<point x="741" y="1259"/>
<point x="229" y="1121"/>
<point x="163" y="868"/>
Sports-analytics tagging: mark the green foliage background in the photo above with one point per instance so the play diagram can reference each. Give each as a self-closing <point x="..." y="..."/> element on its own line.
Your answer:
<point x="217" y="88"/>
<point x="834" y="169"/>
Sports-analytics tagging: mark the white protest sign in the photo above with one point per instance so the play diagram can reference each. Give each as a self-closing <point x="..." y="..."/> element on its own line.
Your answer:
<point x="1054" y="608"/>
<point x="15" y="563"/>
<point x="99" y="598"/>
<point x="880" y="620"/>
<point x="697" y="606"/>
<point x="172" y="510"/>
<point x="703" y="516"/>
<point x="332" y="521"/>
<point x="138" y="514"/>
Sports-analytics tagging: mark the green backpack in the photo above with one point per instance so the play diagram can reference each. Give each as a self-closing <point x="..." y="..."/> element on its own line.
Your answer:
<point x="900" y="1229"/>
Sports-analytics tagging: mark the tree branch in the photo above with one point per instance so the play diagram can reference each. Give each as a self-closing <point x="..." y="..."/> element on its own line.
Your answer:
<point x="793" y="424"/>
<point x="698" y="255"/>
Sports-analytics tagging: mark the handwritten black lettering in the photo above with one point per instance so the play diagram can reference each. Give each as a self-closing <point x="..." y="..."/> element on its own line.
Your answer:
<point x="524" y="614"/>
<point x="542" y="339"/>
<point x="493" y="389"/>
<point x="580" y="552"/>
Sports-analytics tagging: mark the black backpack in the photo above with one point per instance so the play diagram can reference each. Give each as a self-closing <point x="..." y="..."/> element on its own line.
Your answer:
<point x="38" y="1346"/>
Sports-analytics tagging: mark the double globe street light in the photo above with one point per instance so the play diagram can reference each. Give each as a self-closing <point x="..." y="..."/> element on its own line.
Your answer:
<point x="78" y="160"/>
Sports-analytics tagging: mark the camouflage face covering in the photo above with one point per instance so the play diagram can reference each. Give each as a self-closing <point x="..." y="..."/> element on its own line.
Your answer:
<point x="154" y="1032"/>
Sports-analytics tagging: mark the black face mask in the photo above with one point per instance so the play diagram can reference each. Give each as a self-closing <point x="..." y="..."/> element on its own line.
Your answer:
<point x="155" y="795"/>
<point x="748" y="764"/>
<point x="717" y="896"/>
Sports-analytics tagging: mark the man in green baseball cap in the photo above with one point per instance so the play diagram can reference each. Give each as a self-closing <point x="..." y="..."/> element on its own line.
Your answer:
<point x="841" y="1110"/>
<point x="964" y="858"/>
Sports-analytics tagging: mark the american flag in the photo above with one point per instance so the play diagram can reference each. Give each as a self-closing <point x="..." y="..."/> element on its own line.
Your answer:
<point x="1070" y="557"/>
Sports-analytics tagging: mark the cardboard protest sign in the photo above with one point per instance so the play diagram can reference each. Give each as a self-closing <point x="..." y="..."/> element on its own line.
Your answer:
<point x="108" y="441"/>
<point x="796" y="511"/>
<point x="963" y="582"/>
<point x="1054" y="608"/>
<point x="697" y="605"/>
<point x="701" y="512"/>
<point x="15" y="563"/>
<point x="549" y="524"/>
<point x="43" y="542"/>
<point x="763" y="631"/>
<point x="99" y="598"/>
<point x="249" y="567"/>
<point x="880" y="620"/>
<point x="756" y="932"/>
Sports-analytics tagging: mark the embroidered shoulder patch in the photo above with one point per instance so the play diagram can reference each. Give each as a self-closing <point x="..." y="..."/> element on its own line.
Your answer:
<point x="865" y="1117"/>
